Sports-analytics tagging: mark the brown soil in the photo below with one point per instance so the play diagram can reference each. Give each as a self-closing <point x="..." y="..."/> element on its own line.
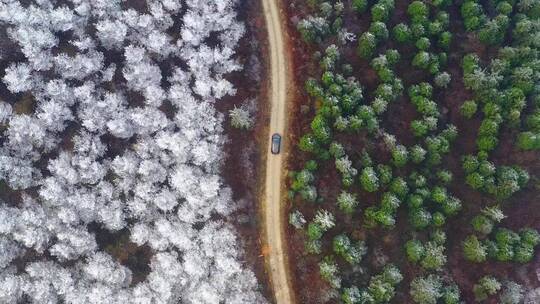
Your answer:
<point x="245" y="149"/>
<point x="520" y="209"/>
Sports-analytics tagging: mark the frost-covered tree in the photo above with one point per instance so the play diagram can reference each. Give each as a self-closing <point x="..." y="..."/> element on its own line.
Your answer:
<point x="89" y="145"/>
<point x="240" y="118"/>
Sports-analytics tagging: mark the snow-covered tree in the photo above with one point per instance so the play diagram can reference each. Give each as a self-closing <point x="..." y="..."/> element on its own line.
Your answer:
<point x="90" y="146"/>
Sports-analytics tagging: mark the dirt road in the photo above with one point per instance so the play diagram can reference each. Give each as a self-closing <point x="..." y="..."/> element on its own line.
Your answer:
<point x="273" y="214"/>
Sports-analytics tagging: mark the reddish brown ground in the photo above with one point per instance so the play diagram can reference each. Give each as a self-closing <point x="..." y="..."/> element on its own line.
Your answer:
<point x="520" y="209"/>
<point x="244" y="162"/>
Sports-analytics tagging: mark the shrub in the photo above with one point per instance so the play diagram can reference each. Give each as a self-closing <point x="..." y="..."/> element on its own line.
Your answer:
<point x="530" y="236"/>
<point x="528" y="141"/>
<point x="444" y="176"/>
<point x="421" y="60"/>
<point x="470" y="163"/>
<point x="493" y="31"/>
<point x="494" y="213"/>
<point x="402" y="33"/>
<point x="442" y="80"/>
<point x="419" y="218"/>
<point x="352" y="253"/>
<point x="314" y="231"/>
<point x="423" y="44"/>
<point x="426" y="290"/>
<point x="451" y="294"/>
<point x="512" y="293"/>
<point x="482" y="224"/>
<point x="393" y="57"/>
<point x="241" y="118"/>
<point x="366" y="45"/>
<point x="400" y="156"/>
<point x="353" y="295"/>
<point x="418" y="154"/>
<point x="297" y="220"/>
<point x="439" y="194"/>
<point x="347" y="202"/>
<point x="434" y="257"/>
<point x="444" y="40"/>
<point x="381" y="287"/>
<point x="438" y="236"/>
<point x="473" y="250"/>
<point x="379" y="30"/>
<point x="399" y="187"/>
<point x="380" y="12"/>
<point x="415" y="250"/>
<point x="418" y="11"/>
<point x="384" y="173"/>
<point x="486" y="287"/>
<point x="468" y="108"/>
<point x="359" y="5"/>
<point x="330" y="272"/>
<point x="369" y="180"/>
<point x="451" y="206"/>
<point x="438" y="219"/>
<point x="523" y="253"/>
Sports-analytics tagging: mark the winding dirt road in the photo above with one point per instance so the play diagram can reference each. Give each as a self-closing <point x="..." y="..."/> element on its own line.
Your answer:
<point x="273" y="213"/>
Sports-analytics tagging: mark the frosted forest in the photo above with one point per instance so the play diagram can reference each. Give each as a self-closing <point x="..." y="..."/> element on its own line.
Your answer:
<point x="111" y="126"/>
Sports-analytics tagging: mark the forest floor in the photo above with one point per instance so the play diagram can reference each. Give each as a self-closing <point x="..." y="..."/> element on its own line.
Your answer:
<point x="387" y="245"/>
<point x="242" y="169"/>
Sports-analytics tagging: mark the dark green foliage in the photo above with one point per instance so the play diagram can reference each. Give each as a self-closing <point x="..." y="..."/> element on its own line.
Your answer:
<point x="482" y="224"/>
<point x="419" y="218"/>
<point x="369" y="180"/>
<point x="366" y="45"/>
<point x="359" y="5"/>
<point x="426" y="290"/>
<point x="379" y="30"/>
<point x="529" y="141"/>
<point x="494" y="30"/>
<point x="451" y="294"/>
<point x="418" y="154"/>
<point x="314" y="231"/>
<point x="329" y="272"/>
<point x="434" y="257"/>
<point x="500" y="182"/>
<point x="468" y="108"/>
<point x="423" y="44"/>
<point x="382" y="286"/>
<point x="530" y="237"/>
<point x="400" y="156"/>
<point x="415" y="250"/>
<point x="444" y="40"/>
<point x="347" y="202"/>
<point x="474" y="250"/>
<point x="422" y="59"/>
<point x="402" y="33"/>
<point x="418" y="11"/>
<point x="399" y="187"/>
<point x="473" y="15"/>
<point x="349" y="251"/>
<point x="385" y="173"/>
<point x="486" y="287"/>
